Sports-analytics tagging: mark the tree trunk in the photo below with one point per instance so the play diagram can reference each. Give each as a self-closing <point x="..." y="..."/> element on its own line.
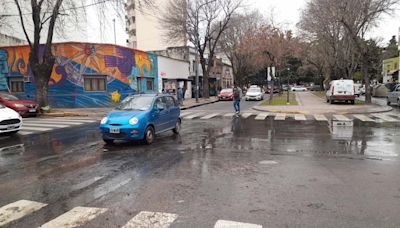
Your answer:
<point x="365" y="76"/>
<point x="42" y="90"/>
<point x="206" y="91"/>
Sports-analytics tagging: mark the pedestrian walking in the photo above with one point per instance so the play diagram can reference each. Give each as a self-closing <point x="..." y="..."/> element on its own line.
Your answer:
<point x="180" y="96"/>
<point x="237" y="96"/>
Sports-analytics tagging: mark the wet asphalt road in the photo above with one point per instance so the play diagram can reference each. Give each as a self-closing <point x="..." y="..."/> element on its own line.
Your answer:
<point x="276" y="174"/>
<point x="228" y="106"/>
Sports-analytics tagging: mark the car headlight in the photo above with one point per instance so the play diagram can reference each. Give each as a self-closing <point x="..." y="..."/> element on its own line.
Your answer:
<point x="19" y="105"/>
<point x="104" y="120"/>
<point x="133" y="121"/>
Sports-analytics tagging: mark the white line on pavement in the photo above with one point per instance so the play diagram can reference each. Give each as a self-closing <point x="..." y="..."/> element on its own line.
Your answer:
<point x="75" y="217"/>
<point x="300" y="117"/>
<point x="364" y="118"/>
<point x="151" y="219"/>
<point x="209" y="116"/>
<point x="229" y="115"/>
<point x="341" y="118"/>
<point x="183" y="114"/>
<point x="280" y="116"/>
<point x="36" y="128"/>
<point x="54" y="122"/>
<point x="193" y="116"/>
<point x="232" y="224"/>
<point x="320" y="118"/>
<point x="262" y="116"/>
<point x="385" y="117"/>
<point x="45" y="125"/>
<point x="246" y="115"/>
<point x="17" y="210"/>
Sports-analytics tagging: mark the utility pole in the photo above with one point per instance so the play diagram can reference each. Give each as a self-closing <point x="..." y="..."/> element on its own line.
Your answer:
<point x="115" y="34"/>
<point x="196" y="70"/>
<point x="398" y="43"/>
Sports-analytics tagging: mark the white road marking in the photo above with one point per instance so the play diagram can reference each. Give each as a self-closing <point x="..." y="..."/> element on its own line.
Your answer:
<point x="36" y="128"/>
<point x="229" y="115"/>
<point x="185" y="114"/>
<point x="55" y="122"/>
<point x="193" y="116"/>
<point x="246" y="115"/>
<point x="341" y="118"/>
<point x="364" y="118"/>
<point x="25" y="132"/>
<point x="385" y="117"/>
<point x="232" y="224"/>
<point x="69" y="120"/>
<point x="320" y="118"/>
<point x="262" y="116"/>
<point x="75" y="217"/>
<point x="17" y="210"/>
<point x="268" y="162"/>
<point x="45" y="125"/>
<point x="210" y="116"/>
<point x="280" y="116"/>
<point x="151" y="219"/>
<point x="300" y="117"/>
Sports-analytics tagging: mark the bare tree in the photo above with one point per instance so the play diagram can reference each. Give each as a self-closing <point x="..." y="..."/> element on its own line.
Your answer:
<point x="202" y="22"/>
<point x="233" y="43"/>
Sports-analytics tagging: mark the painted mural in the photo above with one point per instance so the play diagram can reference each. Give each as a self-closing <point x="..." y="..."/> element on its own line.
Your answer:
<point x="127" y="72"/>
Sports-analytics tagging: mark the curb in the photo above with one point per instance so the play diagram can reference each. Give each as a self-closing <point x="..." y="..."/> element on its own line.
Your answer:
<point x="342" y="113"/>
<point x="388" y="109"/>
<point x="279" y="111"/>
<point x="200" y="104"/>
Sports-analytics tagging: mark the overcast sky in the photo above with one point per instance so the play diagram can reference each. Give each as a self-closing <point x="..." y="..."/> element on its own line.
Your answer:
<point x="287" y="12"/>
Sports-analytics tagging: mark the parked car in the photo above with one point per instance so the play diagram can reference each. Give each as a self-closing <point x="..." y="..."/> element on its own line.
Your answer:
<point x="275" y="90"/>
<point x="357" y="89"/>
<point x="298" y="88"/>
<point x="382" y="90"/>
<point x="226" y="95"/>
<point x="316" y="88"/>
<point x="394" y="96"/>
<point x="10" y="121"/>
<point x="23" y="107"/>
<point x="141" y="117"/>
<point x="340" y="90"/>
<point x="254" y="93"/>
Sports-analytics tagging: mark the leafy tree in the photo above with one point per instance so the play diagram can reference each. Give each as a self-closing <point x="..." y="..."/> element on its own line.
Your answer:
<point x="391" y="50"/>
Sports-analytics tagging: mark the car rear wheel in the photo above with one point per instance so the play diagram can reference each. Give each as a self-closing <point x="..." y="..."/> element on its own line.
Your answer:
<point x="177" y="128"/>
<point x="387" y="101"/>
<point x="149" y="135"/>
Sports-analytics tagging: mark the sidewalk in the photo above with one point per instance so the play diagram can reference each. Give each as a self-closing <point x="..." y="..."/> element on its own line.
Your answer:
<point x="100" y="112"/>
<point x="311" y="104"/>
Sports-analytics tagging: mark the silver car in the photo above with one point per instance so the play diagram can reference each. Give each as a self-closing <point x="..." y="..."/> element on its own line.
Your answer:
<point x="394" y="96"/>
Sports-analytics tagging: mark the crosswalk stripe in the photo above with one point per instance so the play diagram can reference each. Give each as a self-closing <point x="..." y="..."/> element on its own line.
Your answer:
<point x="229" y="115"/>
<point x="209" y="116"/>
<point x="246" y="115"/>
<point x="364" y="118"/>
<point x="193" y="116"/>
<point x="280" y="116"/>
<point x="320" y="118"/>
<point x="341" y="118"/>
<point x="233" y="224"/>
<point x="44" y="125"/>
<point x="262" y="116"/>
<point x="300" y="117"/>
<point x="75" y="217"/>
<point x="54" y="122"/>
<point x="64" y="119"/>
<point x="185" y="114"/>
<point x="25" y="132"/>
<point x="36" y="128"/>
<point x="385" y="117"/>
<point x="17" y="210"/>
<point x="151" y="219"/>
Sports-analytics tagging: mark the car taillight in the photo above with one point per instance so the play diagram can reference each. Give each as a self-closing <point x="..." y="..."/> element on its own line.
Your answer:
<point x="333" y="90"/>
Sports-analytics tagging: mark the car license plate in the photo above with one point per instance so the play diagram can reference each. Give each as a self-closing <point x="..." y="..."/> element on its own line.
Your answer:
<point x="115" y="130"/>
<point x="32" y="110"/>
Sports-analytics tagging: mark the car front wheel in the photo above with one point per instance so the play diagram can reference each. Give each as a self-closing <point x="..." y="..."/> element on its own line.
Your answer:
<point x="177" y="128"/>
<point x="108" y="141"/>
<point x="149" y="135"/>
<point x="387" y="101"/>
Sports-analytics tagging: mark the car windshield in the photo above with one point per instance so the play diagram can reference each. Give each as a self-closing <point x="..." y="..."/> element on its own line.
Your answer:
<point x="226" y="91"/>
<point x="9" y="97"/>
<point x="137" y="103"/>
<point x="254" y="90"/>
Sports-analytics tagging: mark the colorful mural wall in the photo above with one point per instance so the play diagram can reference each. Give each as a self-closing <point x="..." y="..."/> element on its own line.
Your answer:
<point x="125" y="72"/>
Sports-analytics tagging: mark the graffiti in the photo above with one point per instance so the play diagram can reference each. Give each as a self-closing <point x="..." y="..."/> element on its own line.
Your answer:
<point x="74" y="63"/>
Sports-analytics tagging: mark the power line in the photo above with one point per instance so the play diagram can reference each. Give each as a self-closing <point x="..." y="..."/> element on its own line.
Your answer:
<point x="64" y="10"/>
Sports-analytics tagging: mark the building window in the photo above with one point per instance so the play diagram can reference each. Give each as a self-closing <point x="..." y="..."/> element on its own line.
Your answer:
<point x="95" y="83"/>
<point x="149" y="84"/>
<point x="17" y="85"/>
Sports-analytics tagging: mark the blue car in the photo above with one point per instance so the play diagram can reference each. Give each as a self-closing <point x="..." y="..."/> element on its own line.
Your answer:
<point x="141" y="117"/>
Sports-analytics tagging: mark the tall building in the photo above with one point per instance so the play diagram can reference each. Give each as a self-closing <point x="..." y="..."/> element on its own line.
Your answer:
<point x="144" y="26"/>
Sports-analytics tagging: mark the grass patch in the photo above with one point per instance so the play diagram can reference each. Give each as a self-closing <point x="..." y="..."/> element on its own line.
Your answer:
<point x="320" y="94"/>
<point x="281" y="100"/>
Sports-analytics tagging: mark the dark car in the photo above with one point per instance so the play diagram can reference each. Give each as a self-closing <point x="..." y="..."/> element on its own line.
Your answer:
<point x="316" y="88"/>
<point x="24" y="107"/>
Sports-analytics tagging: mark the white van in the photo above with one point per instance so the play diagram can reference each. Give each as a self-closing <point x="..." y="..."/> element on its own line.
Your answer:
<point x="340" y="90"/>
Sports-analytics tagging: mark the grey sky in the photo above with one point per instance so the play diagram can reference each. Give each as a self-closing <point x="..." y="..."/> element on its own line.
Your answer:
<point x="287" y="13"/>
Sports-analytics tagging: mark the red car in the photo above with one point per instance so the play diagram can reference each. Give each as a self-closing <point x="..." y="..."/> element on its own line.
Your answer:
<point x="226" y="95"/>
<point x="23" y="107"/>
